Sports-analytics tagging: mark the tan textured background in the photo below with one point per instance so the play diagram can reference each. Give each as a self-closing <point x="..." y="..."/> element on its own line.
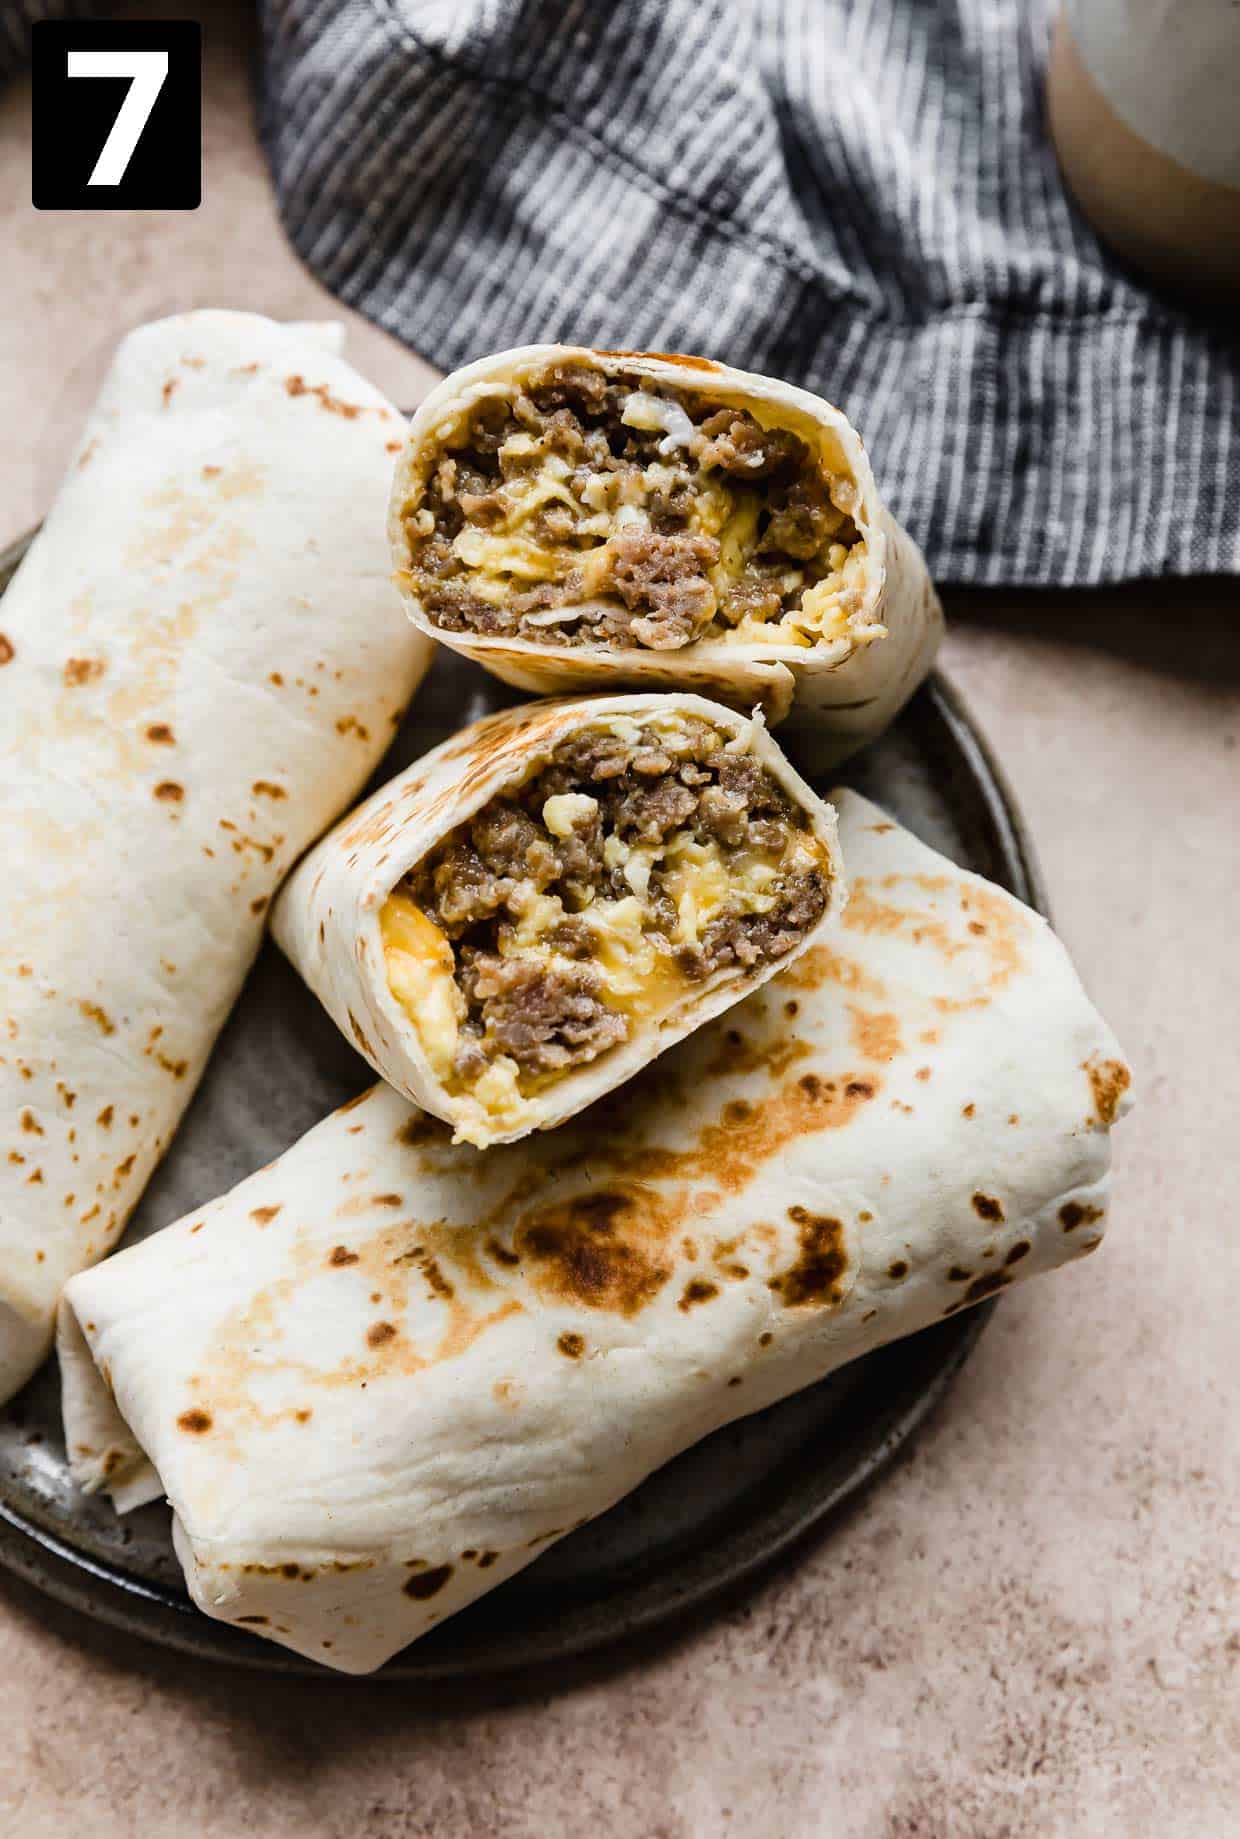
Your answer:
<point x="1030" y="1630"/>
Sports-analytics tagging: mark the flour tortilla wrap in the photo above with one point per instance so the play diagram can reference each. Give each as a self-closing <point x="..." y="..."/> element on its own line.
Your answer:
<point x="610" y="995"/>
<point x="201" y="661"/>
<point x="845" y="672"/>
<point x="385" y="1373"/>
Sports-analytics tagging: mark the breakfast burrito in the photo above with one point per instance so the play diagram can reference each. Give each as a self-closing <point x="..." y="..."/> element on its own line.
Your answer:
<point x="526" y="916"/>
<point x="201" y="660"/>
<point x="385" y="1372"/>
<point x="589" y="519"/>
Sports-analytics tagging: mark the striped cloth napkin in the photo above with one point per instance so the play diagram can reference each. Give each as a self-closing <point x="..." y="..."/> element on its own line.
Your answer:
<point x="858" y="195"/>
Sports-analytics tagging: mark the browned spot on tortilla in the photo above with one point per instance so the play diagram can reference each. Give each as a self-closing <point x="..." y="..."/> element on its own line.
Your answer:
<point x="665" y="357"/>
<point x="349" y="724"/>
<point x="211" y="472"/>
<point x="169" y="390"/>
<point x="160" y="734"/>
<point x="277" y="679"/>
<point x="82" y="670"/>
<point x="267" y="788"/>
<point x="427" y="1583"/>
<point x="486" y="1560"/>
<point x="764" y="1340"/>
<point x="821" y="965"/>
<point x="34" y="1181"/>
<point x="380" y="1332"/>
<point x="968" y="1110"/>
<point x="697" y="1290"/>
<point x="792" y="1007"/>
<point x="735" y="1381"/>
<point x="15" y="1155"/>
<point x="360" y="1037"/>
<point x="419" y="1129"/>
<point x="31" y="1123"/>
<point x="393" y="446"/>
<point x="897" y="1269"/>
<point x="196" y="1421"/>
<point x="169" y="791"/>
<point x="576" y="1250"/>
<point x="257" y="905"/>
<point x="958" y="1274"/>
<point x="738" y="1054"/>
<point x="923" y="1073"/>
<point x="340" y="1255"/>
<point x="976" y="927"/>
<point x="7" y="654"/>
<point x="351" y="1104"/>
<point x="865" y="1216"/>
<point x="571" y="1345"/>
<point x="335" y="405"/>
<point x="1110" y="1079"/>
<point x="1076" y="1213"/>
<point x="387" y="1200"/>
<point x="261" y="1621"/>
<point x="198" y="1226"/>
<point x="987" y="1207"/>
<point x="263" y="1215"/>
<point x="502" y="1254"/>
<point x="985" y="1285"/>
<point x="817" y="1276"/>
<point x="876" y="1036"/>
<point x="1020" y="1250"/>
<point x="105" y="1116"/>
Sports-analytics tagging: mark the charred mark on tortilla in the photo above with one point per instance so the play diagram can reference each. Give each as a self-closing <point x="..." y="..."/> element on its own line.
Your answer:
<point x="1109" y="1079"/>
<point x="1074" y="1213"/>
<point x="424" y="1584"/>
<point x="577" y="1252"/>
<point x="197" y="1422"/>
<point x="379" y="1333"/>
<point x="897" y="1269"/>
<point x="572" y="1346"/>
<point x="817" y="1276"/>
<point x="988" y="1284"/>
<point x="262" y="1216"/>
<point x="697" y="1290"/>
<point x="987" y="1207"/>
<point x="1020" y="1250"/>
<point x="340" y="1254"/>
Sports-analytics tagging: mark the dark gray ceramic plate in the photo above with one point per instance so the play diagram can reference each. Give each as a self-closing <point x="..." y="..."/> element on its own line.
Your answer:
<point x="706" y="1522"/>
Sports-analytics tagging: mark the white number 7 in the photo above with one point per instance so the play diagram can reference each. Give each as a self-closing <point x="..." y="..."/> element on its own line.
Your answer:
<point x="147" y="71"/>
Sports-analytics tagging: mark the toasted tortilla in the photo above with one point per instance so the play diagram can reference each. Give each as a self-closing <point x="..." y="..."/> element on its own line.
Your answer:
<point x="384" y="1373"/>
<point x="329" y="919"/>
<point x="848" y="686"/>
<point x="201" y="661"/>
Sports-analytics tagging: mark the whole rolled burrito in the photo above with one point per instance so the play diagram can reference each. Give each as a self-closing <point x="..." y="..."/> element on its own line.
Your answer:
<point x="384" y="1373"/>
<point x="525" y="917"/>
<point x="201" y="661"/>
<point x="579" y="519"/>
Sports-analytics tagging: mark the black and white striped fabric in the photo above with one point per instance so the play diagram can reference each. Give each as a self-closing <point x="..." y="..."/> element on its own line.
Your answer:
<point x="858" y="195"/>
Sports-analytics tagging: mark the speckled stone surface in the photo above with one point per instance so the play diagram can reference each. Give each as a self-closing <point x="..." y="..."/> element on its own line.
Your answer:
<point x="1031" y="1629"/>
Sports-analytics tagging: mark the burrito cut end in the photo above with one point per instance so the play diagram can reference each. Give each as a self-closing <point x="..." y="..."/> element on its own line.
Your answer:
<point x="607" y="500"/>
<point x="644" y="863"/>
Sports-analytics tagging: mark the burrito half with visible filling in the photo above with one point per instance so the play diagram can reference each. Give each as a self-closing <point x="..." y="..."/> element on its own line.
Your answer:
<point x="588" y="519"/>
<point x="384" y="1373"/>
<point x="201" y="661"/>
<point x="522" y="919"/>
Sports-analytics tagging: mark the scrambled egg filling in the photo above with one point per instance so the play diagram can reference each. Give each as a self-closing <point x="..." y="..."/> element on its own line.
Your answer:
<point x="542" y="540"/>
<point x="637" y="953"/>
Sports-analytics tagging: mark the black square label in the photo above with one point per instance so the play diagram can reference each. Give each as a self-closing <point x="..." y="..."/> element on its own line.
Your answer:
<point x="117" y="112"/>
